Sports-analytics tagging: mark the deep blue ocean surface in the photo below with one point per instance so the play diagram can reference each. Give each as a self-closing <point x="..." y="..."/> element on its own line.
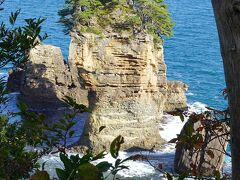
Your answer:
<point x="192" y="55"/>
<point x="40" y="8"/>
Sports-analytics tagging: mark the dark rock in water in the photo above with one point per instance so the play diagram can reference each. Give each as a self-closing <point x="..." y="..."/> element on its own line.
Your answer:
<point x="46" y="80"/>
<point x="175" y="96"/>
<point x="53" y="116"/>
<point x="186" y="158"/>
<point x="15" y="80"/>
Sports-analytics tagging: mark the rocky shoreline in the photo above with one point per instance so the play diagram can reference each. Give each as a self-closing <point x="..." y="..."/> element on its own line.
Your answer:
<point x="122" y="80"/>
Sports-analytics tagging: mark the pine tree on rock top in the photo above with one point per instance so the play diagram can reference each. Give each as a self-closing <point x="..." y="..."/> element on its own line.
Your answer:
<point x="132" y="16"/>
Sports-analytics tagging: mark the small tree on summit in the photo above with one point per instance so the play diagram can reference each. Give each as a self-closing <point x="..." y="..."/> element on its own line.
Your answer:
<point x="134" y="16"/>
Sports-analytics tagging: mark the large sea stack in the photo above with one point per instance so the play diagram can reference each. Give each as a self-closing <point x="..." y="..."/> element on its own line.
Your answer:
<point x="122" y="80"/>
<point x="128" y="88"/>
<point x="116" y="67"/>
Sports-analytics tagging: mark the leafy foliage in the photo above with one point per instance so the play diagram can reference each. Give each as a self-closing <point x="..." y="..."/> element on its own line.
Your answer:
<point x="16" y="41"/>
<point x="213" y="125"/>
<point x="78" y="108"/>
<point x="76" y="167"/>
<point x="15" y="161"/>
<point x="66" y="15"/>
<point x="115" y="146"/>
<point x="40" y="175"/>
<point x="137" y="16"/>
<point x="3" y="91"/>
<point x="62" y="130"/>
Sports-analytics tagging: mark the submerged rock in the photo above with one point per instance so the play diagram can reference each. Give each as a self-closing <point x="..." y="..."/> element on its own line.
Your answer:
<point x="123" y="80"/>
<point x="186" y="158"/>
<point x="175" y="96"/>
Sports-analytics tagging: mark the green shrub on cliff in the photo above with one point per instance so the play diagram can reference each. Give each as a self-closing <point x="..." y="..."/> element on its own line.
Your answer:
<point x="134" y="16"/>
<point x="16" y="41"/>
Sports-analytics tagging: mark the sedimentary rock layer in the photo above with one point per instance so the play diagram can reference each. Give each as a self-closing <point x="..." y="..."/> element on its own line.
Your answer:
<point x="128" y="79"/>
<point x="122" y="79"/>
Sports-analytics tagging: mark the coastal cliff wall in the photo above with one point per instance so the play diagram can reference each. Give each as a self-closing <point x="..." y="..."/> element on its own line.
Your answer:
<point x="128" y="78"/>
<point x="122" y="80"/>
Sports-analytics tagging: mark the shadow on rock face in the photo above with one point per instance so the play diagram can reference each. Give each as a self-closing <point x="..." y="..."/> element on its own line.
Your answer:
<point x="43" y="84"/>
<point x="39" y="89"/>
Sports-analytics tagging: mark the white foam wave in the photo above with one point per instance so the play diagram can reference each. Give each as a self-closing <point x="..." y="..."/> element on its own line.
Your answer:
<point x="171" y="125"/>
<point x="197" y="107"/>
<point x="189" y="94"/>
<point x="169" y="128"/>
<point x="11" y="107"/>
<point x="4" y="75"/>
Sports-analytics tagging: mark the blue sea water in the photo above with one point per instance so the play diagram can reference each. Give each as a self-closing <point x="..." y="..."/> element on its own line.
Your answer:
<point x="40" y="8"/>
<point x="192" y="54"/>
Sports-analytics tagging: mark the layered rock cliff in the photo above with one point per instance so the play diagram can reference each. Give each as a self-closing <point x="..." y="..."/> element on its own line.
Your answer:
<point x="123" y="80"/>
<point x="128" y="79"/>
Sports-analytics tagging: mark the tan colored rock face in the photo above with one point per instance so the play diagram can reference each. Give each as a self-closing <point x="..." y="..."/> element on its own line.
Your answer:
<point x="44" y="74"/>
<point x="175" y="96"/>
<point x="123" y="81"/>
<point x="47" y="80"/>
<point x="118" y="62"/>
<point x="128" y="80"/>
